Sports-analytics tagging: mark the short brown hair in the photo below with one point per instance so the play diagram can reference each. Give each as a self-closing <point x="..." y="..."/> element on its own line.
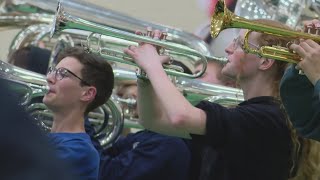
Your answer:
<point x="96" y="71"/>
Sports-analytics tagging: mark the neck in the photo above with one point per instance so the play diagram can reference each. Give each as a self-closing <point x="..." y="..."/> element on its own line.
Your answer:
<point x="68" y="121"/>
<point x="259" y="85"/>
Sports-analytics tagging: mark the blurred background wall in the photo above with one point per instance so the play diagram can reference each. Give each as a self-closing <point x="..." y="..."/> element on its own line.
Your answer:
<point x="183" y="14"/>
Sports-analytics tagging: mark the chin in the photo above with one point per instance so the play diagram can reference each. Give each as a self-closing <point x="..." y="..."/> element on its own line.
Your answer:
<point x="228" y="74"/>
<point x="50" y="105"/>
<point x="224" y="71"/>
<point x="46" y="100"/>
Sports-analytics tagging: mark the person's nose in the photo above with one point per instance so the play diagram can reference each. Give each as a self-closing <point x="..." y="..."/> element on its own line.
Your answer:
<point x="51" y="78"/>
<point x="229" y="49"/>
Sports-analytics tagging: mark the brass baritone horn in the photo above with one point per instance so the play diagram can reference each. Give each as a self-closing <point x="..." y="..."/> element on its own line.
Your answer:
<point x="64" y="20"/>
<point x="223" y="19"/>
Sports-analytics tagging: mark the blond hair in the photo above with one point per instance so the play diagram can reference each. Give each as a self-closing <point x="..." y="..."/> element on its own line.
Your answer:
<point x="309" y="163"/>
<point x="306" y="153"/>
<point x="271" y="40"/>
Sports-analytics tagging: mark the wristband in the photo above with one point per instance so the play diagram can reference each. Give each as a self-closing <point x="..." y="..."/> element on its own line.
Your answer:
<point x="142" y="75"/>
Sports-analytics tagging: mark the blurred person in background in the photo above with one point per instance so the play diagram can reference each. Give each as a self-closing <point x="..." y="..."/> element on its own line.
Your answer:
<point x="144" y="155"/>
<point x="25" y="150"/>
<point x="32" y="58"/>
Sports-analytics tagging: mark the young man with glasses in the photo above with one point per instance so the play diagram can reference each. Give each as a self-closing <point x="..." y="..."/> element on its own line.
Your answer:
<point x="78" y="84"/>
<point x="251" y="141"/>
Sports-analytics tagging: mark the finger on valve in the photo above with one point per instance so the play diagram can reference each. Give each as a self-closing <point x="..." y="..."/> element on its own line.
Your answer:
<point x="156" y="34"/>
<point x="140" y="34"/>
<point x="149" y="32"/>
<point x="163" y="36"/>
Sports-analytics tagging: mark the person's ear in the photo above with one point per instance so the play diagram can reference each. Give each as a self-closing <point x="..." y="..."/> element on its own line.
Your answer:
<point x="89" y="93"/>
<point x="265" y="63"/>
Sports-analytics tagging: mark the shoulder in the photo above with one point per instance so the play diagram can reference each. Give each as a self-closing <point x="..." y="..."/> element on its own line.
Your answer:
<point x="69" y="138"/>
<point x="264" y="107"/>
<point x="77" y="145"/>
<point x="162" y="142"/>
<point x="292" y="78"/>
<point x="290" y="73"/>
<point x="263" y="111"/>
<point x="209" y="106"/>
<point x="317" y="88"/>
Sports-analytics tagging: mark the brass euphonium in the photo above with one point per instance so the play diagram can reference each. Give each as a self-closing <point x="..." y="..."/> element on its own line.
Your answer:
<point x="195" y="91"/>
<point x="63" y="20"/>
<point x="44" y="13"/>
<point x="111" y="18"/>
<point x="223" y="19"/>
<point x="107" y="119"/>
<point x="192" y="89"/>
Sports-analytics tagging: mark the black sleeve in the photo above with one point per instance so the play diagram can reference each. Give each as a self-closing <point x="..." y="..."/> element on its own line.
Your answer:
<point x="248" y="123"/>
<point x="311" y="126"/>
<point x="301" y="100"/>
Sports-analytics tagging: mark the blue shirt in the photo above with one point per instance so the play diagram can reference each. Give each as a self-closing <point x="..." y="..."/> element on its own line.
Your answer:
<point x="146" y="155"/>
<point x="77" y="150"/>
<point x="302" y="103"/>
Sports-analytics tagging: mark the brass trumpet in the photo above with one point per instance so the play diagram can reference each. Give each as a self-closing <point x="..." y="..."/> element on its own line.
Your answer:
<point x="63" y="20"/>
<point x="223" y="19"/>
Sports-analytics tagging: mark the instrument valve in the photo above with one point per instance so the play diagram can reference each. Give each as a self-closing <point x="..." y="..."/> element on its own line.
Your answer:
<point x="164" y="36"/>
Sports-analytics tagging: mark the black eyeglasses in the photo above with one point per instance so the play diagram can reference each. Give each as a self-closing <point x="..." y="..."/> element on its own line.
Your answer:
<point x="61" y="73"/>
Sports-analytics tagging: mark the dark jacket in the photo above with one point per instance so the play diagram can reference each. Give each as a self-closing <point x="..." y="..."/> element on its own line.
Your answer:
<point x="301" y="101"/>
